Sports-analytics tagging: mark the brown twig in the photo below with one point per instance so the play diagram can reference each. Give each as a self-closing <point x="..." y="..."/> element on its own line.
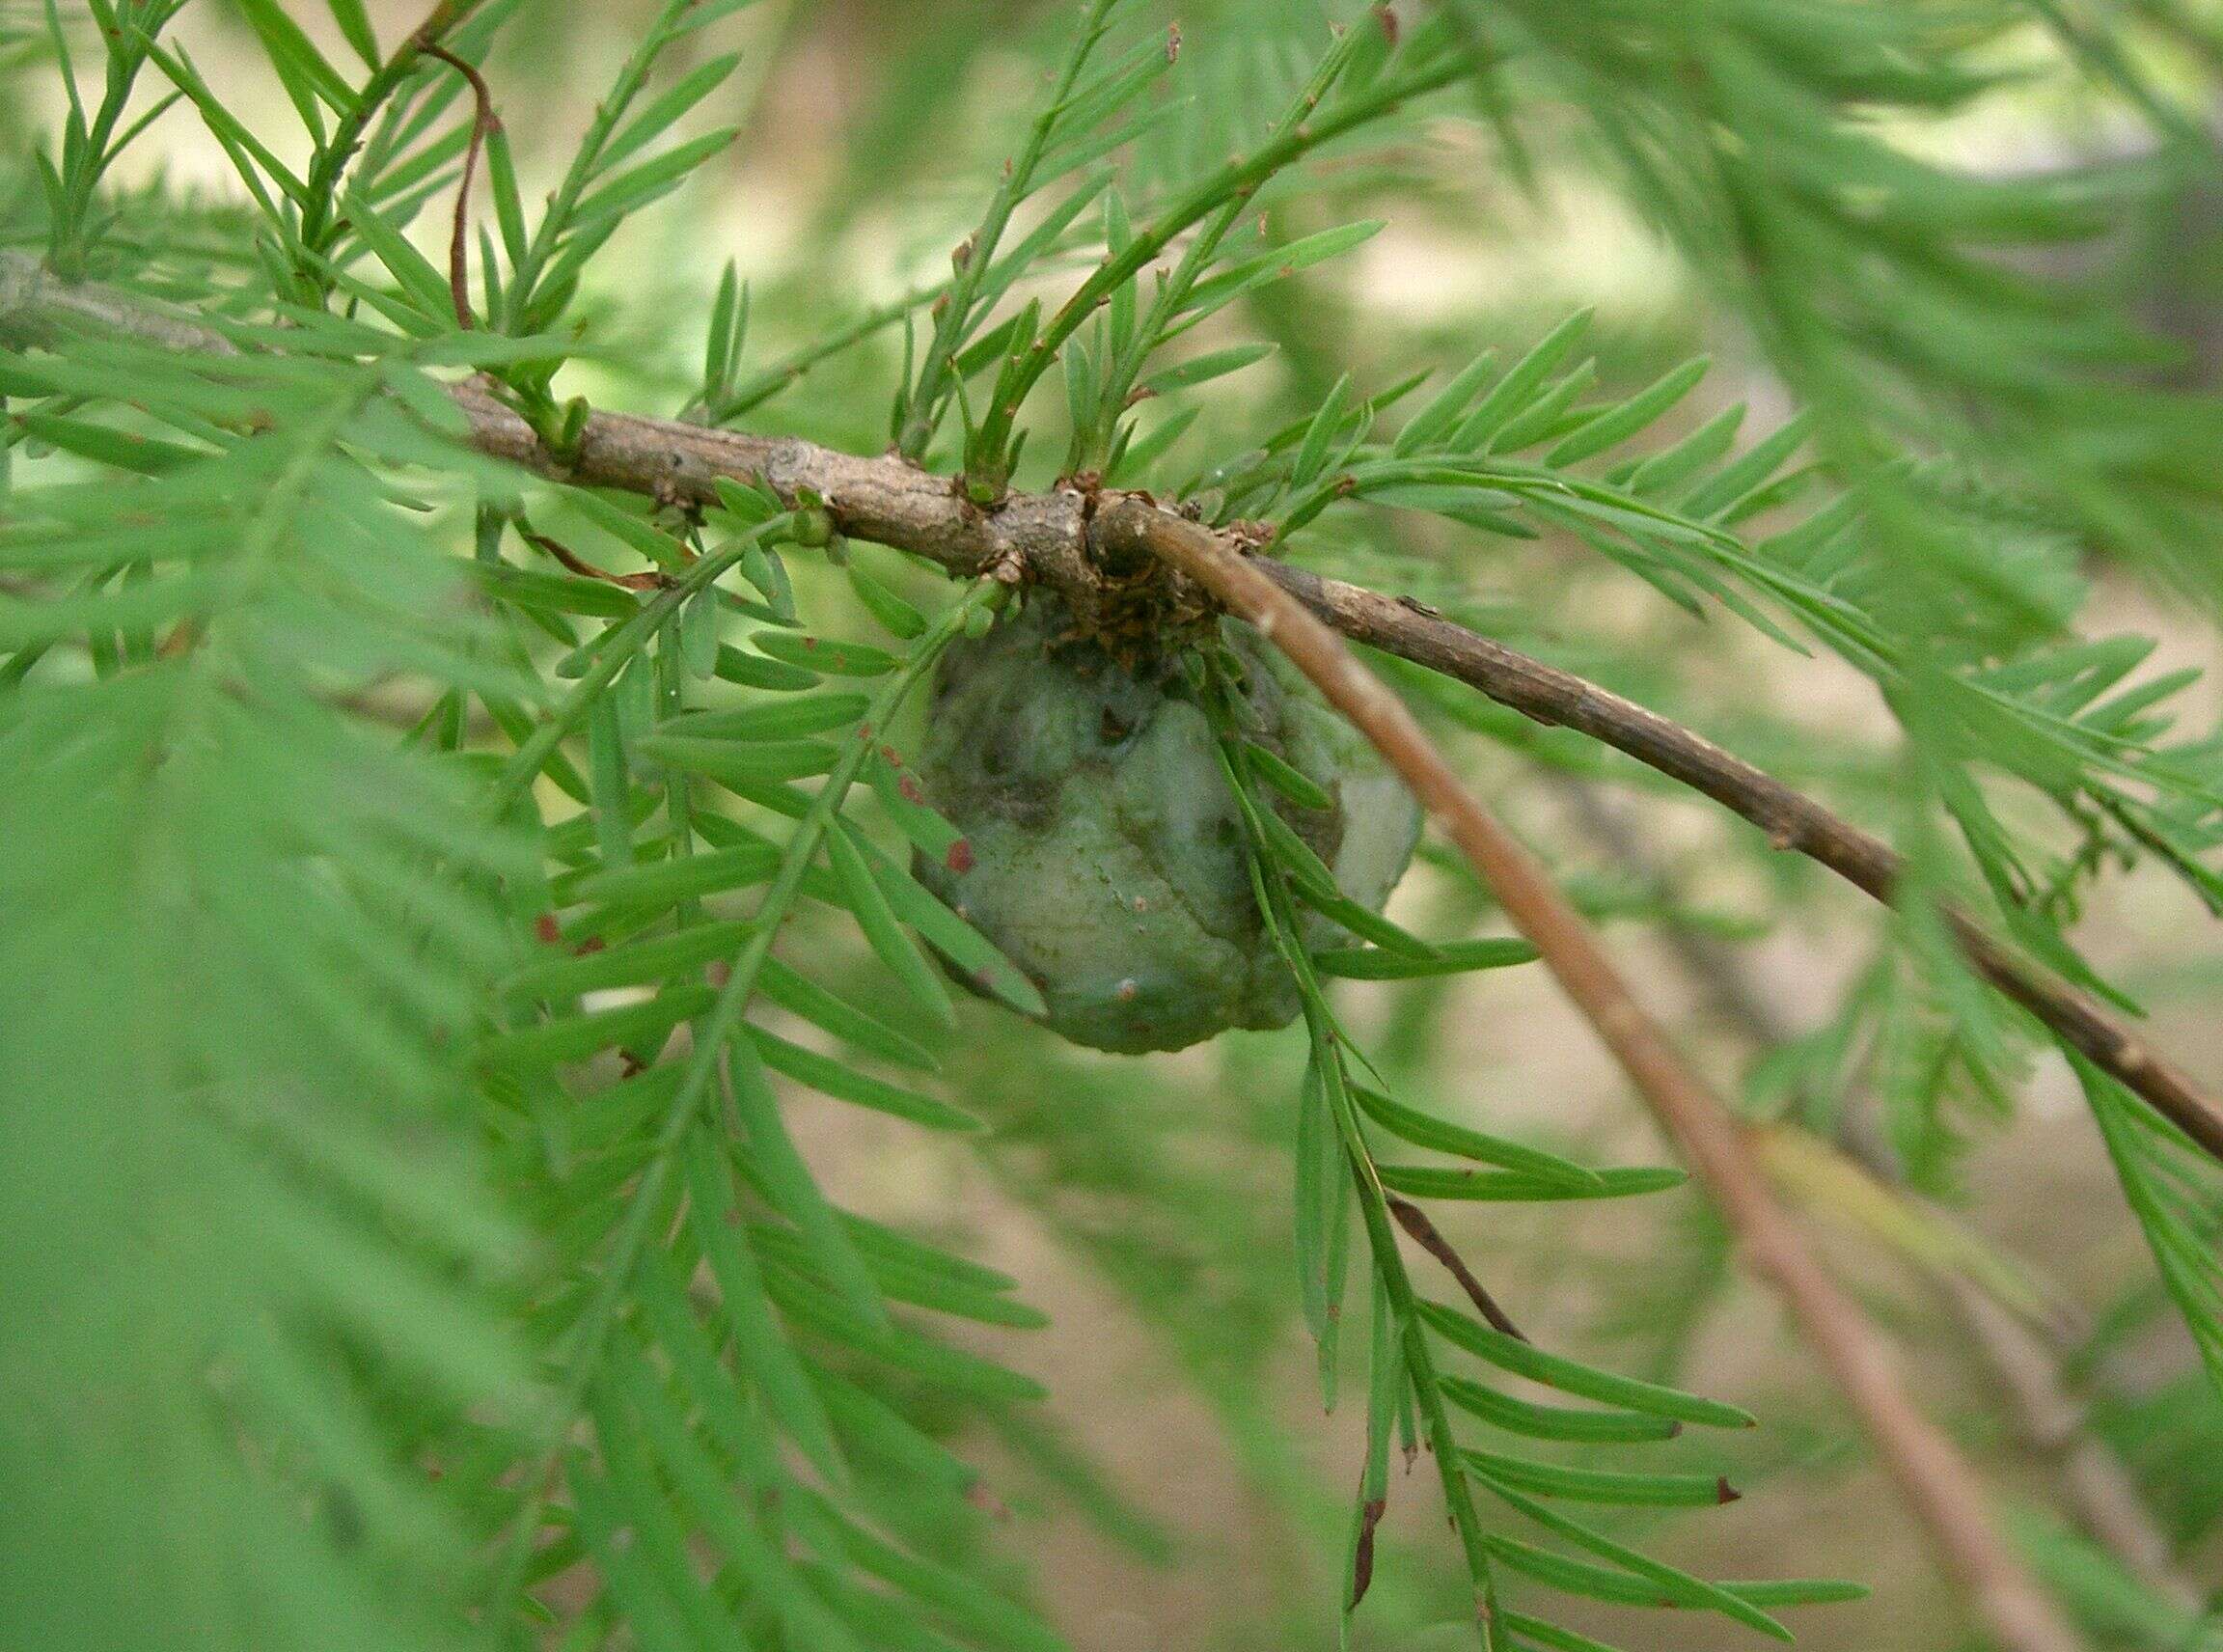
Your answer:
<point x="485" y="122"/>
<point x="2094" y="1481"/>
<point x="1936" y="1481"/>
<point x="1790" y="820"/>
<point x="1051" y="538"/>
<point x="891" y="502"/>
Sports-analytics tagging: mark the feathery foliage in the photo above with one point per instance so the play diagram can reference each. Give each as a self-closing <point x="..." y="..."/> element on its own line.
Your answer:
<point x="449" y="909"/>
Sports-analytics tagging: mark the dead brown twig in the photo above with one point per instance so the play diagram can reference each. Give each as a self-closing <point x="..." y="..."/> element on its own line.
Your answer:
<point x="1936" y="1481"/>
<point x="2025" y="1356"/>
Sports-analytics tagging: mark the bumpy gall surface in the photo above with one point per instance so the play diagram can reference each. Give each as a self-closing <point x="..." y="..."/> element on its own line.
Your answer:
<point x="1106" y="852"/>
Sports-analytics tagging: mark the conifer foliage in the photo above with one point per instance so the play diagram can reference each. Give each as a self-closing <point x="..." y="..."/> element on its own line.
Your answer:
<point x="461" y="843"/>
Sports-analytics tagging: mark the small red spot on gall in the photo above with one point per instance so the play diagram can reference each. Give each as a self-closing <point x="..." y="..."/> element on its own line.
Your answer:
<point x="909" y="787"/>
<point x="545" y="926"/>
<point x="959" y="858"/>
<point x="891" y="756"/>
<point x="718" y="971"/>
<point x="592" y="943"/>
<point x="1724" y="1491"/>
<point x="809" y="642"/>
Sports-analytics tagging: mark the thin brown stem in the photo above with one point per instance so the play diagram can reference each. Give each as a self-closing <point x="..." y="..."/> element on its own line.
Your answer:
<point x="1936" y="1483"/>
<point x="483" y="124"/>
<point x="1054" y="538"/>
<point x="1790" y="820"/>
<point x="332" y="161"/>
<point x="2094" y="1481"/>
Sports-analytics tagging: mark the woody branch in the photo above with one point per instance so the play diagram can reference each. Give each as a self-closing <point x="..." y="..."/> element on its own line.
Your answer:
<point x="1061" y="538"/>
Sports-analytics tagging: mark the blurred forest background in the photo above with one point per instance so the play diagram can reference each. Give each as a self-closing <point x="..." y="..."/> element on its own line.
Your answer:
<point x="1180" y="1489"/>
